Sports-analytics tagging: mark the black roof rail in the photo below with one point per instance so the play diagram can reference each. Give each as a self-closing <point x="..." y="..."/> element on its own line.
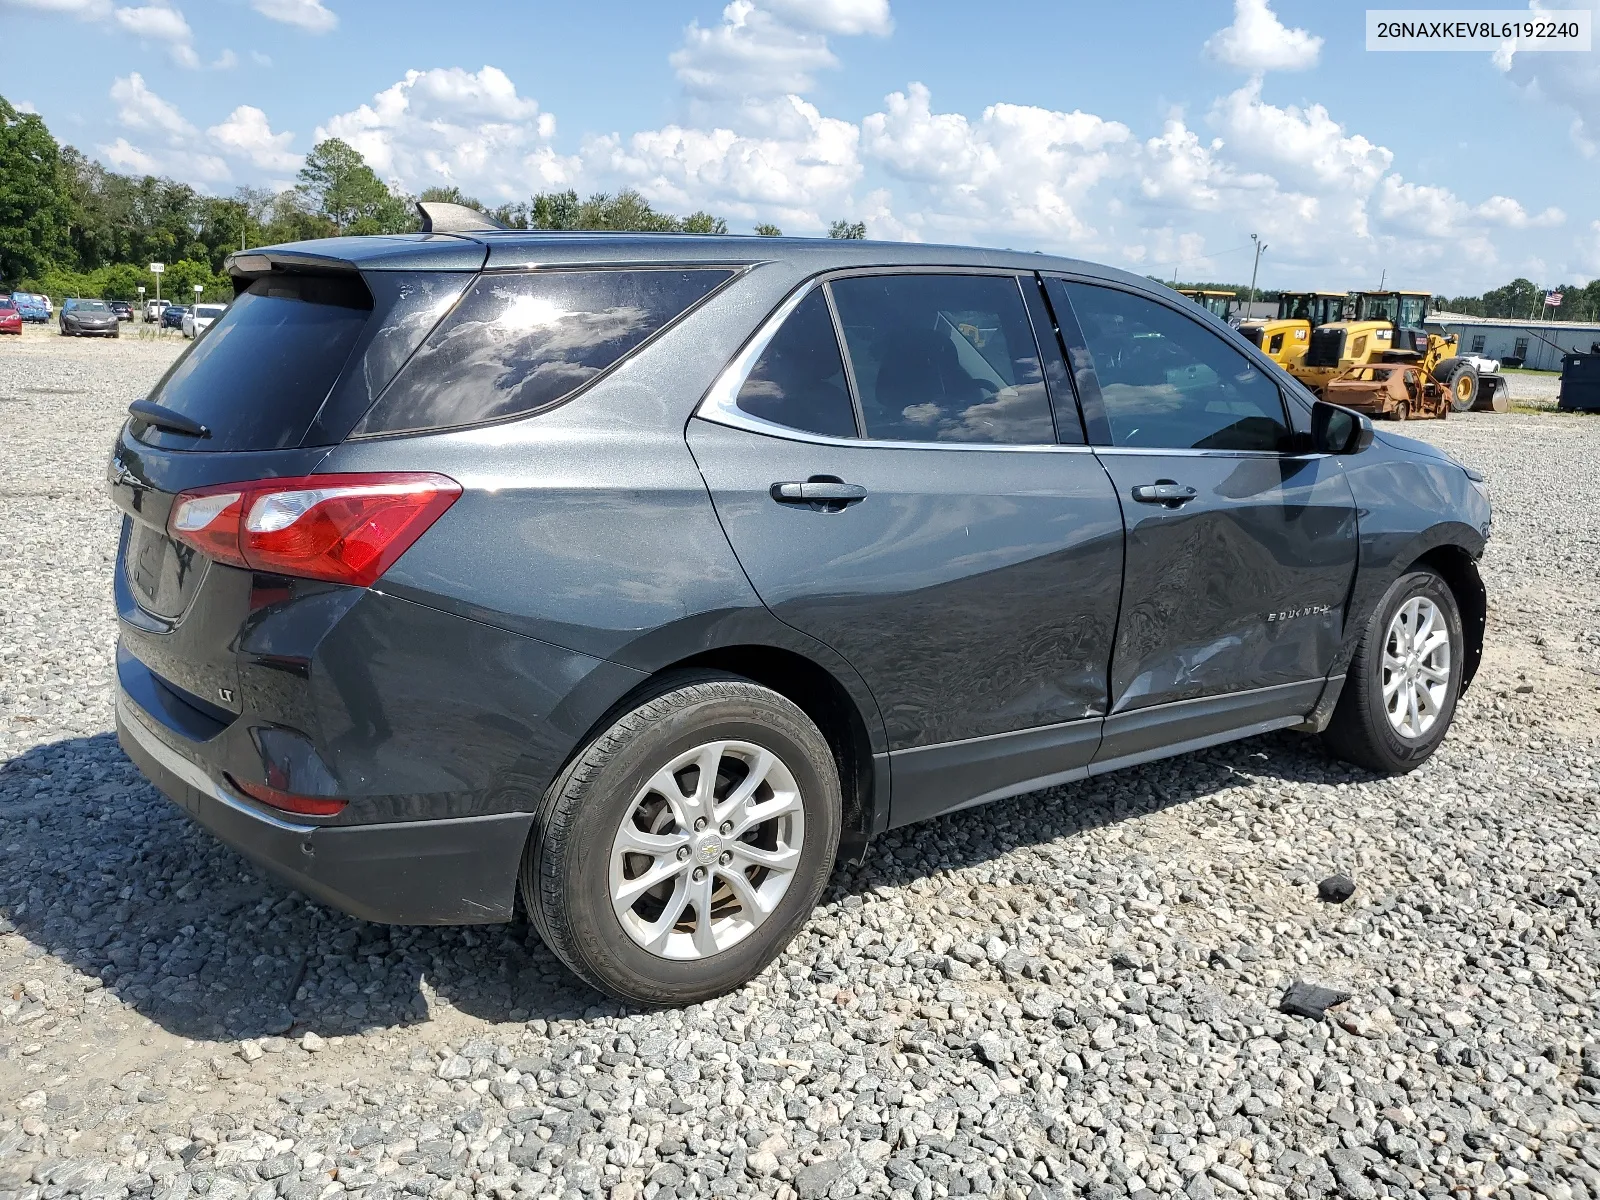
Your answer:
<point x="441" y="217"/>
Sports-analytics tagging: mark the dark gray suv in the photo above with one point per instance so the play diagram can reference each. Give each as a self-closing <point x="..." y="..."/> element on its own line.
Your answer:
<point x="645" y="575"/>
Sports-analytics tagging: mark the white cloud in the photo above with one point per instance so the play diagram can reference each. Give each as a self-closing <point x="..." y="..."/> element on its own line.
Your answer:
<point x="311" y="15"/>
<point x="845" y="17"/>
<point x="246" y="134"/>
<point x="1568" y="81"/>
<point x="140" y="108"/>
<point x="1503" y="210"/>
<point x="753" y="52"/>
<point x="1257" y="41"/>
<point x="187" y="165"/>
<point x="449" y="125"/>
<point x="1017" y="169"/>
<point x="1306" y="147"/>
<point x="156" y="21"/>
<point x="127" y="157"/>
<point x="88" y="10"/>
<point x="789" y="179"/>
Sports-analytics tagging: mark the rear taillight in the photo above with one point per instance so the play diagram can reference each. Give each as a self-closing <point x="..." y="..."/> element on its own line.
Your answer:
<point x="306" y="806"/>
<point x="342" y="528"/>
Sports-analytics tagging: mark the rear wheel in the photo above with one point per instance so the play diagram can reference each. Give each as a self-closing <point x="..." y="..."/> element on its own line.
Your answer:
<point x="685" y="845"/>
<point x="1402" y="411"/>
<point x="1400" y="690"/>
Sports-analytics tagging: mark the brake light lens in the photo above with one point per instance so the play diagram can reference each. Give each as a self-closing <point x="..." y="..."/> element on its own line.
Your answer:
<point x="341" y="528"/>
<point x="306" y="806"/>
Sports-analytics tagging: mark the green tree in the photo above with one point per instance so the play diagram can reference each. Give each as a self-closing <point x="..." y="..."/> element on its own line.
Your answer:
<point x="767" y="229"/>
<point x="179" y="281"/>
<point x="848" y="231"/>
<point x="34" y="214"/>
<point x="625" y="211"/>
<point x="703" y="222"/>
<point x="337" y="184"/>
<point x="1518" y="300"/>
<point x="122" y="281"/>
<point x="451" y="195"/>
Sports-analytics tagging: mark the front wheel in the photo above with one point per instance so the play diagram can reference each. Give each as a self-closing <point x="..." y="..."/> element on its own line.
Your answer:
<point x="683" y="847"/>
<point x="1400" y="690"/>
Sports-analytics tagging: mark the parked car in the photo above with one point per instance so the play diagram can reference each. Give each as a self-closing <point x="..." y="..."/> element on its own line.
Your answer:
<point x="650" y="578"/>
<point x="10" y="317"/>
<point x="172" y="316"/>
<point x="85" y="318"/>
<point x="30" y="308"/>
<point x="198" y="320"/>
<point x="122" y="308"/>
<point x="153" y="310"/>
<point x="45" y="303"/>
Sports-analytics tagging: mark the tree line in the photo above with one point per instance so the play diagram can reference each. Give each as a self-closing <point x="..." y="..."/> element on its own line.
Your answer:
<point x="69" y="226"/>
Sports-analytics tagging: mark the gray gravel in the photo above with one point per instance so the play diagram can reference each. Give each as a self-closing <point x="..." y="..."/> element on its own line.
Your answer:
<point x="1072" y="993"/>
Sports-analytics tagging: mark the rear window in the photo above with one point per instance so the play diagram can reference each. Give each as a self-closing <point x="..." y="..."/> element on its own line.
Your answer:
<point x="518" y="343"/>
<point x="262" y="371"/>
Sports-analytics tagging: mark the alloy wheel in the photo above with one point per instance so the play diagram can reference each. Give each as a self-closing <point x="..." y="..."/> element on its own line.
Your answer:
<point x="707" y="849"/>
<point x="1416" y="667"/>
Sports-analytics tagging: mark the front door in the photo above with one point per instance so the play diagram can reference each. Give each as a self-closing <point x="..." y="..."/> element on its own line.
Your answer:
<point x="914" y="511"/>
<point x="1241" y="550"/>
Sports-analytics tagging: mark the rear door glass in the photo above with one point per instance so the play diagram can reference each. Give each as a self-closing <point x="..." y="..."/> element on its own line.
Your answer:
<point x="944" y="358"/>
<point x="262" y="371"/>
<point x="518" y="343"/>
<point x="799" y="379"/>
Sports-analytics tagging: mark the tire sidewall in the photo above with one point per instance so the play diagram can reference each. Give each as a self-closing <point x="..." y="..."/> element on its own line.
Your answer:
<point x="1406" y="753"/>
<point x="608" y="950"/>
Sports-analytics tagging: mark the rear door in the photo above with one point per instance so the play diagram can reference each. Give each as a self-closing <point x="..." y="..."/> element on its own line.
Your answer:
<point x="1241" y="547"/>
<point x="912" y="505"/>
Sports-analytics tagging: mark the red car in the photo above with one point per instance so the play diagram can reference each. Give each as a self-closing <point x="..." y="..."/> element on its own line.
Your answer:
<point x="10" y="318"/>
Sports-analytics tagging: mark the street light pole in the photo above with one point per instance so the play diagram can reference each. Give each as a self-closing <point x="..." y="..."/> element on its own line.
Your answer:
<point x="1261" y="248"/>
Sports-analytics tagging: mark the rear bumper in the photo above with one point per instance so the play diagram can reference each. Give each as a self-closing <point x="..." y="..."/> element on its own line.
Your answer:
<point x="448" y="871"/>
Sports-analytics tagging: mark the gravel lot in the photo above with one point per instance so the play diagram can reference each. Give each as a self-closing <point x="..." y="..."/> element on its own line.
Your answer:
<point x="1071" y="993"/>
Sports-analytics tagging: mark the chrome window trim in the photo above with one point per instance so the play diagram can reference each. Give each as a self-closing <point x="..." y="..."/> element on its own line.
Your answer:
<point x="720" y="405"/>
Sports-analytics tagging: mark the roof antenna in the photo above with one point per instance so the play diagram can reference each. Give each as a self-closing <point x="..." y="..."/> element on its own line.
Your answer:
<point x="440" y="217"/>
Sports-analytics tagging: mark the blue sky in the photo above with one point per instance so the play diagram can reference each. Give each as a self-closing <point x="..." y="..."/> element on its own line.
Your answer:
<point x="1156" y="136"/>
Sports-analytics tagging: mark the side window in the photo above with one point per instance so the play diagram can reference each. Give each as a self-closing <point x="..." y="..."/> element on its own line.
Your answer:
<point x="944" y="358"/>
<point x="1169" y="382"/>
<point x="799" y="379"/>
<point x="518" y="343"/>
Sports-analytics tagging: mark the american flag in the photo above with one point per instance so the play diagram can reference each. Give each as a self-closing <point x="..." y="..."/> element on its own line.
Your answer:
<point x="1553" y="299"/>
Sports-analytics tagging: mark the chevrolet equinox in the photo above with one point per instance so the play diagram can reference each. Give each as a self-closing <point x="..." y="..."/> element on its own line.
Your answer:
<point x="643" y="575"/>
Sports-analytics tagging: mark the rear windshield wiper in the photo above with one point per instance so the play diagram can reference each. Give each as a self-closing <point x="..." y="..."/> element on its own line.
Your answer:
<point x="155" y="414"/>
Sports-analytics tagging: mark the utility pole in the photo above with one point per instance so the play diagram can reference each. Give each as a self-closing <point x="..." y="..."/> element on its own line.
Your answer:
<point x="1261" y="248"/>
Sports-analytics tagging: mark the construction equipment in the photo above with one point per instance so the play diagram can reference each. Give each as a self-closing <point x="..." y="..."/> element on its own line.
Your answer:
<point x="1396" y="390"/>
<point x="1387" y="327"/>
<point x="1284" y="338"/>
<point x="1219" y="304"/>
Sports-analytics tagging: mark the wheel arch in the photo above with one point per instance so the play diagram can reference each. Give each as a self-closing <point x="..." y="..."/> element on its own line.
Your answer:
<point x="816" y="691"/>
<point x="1459" y="569"/>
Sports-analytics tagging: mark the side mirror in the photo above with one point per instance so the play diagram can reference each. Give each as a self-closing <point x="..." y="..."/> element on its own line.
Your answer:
<point x="1336" y="430"/>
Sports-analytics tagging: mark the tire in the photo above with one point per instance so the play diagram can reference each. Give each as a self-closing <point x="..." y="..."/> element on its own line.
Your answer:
<point x="1462" y="386"/>
<point x="1402" y="411"/>
<point x="572" y="863"/>
<point x="1362" y="730"/>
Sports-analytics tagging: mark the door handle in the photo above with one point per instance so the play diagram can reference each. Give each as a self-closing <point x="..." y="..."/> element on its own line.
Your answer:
<point x="1166" y="492"/>
<point x="819" y="490"/>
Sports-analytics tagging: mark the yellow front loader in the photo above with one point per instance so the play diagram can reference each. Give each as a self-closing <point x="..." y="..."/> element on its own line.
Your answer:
<point x="1219" y="304"/>
<point x="1387" y="327"/>
<point x="1285" y="337"/>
